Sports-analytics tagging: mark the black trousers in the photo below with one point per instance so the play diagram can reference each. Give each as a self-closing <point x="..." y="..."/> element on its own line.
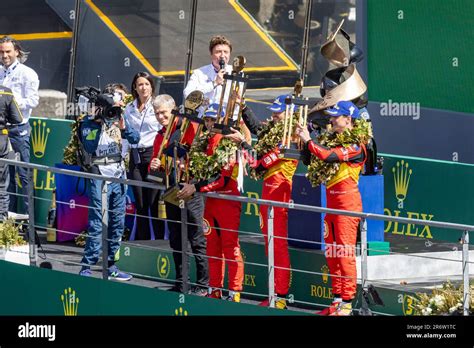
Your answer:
<point x="195" y="209"/>
<point x="146" y="200"/>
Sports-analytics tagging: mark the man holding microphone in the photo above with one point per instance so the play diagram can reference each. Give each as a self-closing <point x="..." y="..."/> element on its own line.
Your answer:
<point x="209" y="79"/>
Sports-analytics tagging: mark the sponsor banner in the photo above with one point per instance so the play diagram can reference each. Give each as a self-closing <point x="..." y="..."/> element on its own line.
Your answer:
<point x="427" y="190"/>
<point x="62" y="294"/>
<point x="48" y="139"/>
<point x="305" y="288"/>
<point x="71" y="204"/>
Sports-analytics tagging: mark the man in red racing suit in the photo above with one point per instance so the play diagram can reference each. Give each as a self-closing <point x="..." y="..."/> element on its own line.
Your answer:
<point x="342" y="192"/>
<point x="277" y="183"/>
<point x="221" y="220"/>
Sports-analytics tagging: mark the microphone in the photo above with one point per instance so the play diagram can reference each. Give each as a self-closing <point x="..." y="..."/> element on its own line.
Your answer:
<point x="221" y="63"/>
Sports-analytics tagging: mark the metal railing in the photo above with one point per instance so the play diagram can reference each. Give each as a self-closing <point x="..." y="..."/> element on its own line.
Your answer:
<point x="271" y="264"/>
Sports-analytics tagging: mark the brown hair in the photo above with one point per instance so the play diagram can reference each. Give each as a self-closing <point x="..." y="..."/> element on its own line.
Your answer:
<point x="147" y="76"/>
<point x="219" y="40"/>
<point x="111" y="87"/>
<point x="22" y="54"/>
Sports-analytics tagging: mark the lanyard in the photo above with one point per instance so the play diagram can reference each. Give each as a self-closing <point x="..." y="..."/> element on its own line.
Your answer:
<point x="143" y="114"/>
<point x="10" y="69"/>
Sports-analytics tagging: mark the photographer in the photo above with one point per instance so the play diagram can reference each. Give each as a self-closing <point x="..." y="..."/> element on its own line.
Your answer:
<point x="100" y="138"/>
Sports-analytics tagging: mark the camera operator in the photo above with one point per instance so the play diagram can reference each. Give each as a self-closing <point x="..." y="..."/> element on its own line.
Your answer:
<point x="100" y="138"/>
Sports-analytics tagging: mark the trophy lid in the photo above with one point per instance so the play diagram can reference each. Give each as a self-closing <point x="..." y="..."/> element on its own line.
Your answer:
<point x="332" y="51"/>
<point x="194" y="100"/>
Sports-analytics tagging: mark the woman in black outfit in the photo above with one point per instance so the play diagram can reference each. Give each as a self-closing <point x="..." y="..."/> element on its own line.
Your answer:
<point x="141" y="116"/>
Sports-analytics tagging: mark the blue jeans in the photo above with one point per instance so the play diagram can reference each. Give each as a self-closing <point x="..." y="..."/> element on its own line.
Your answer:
<point x="20" y="140"/>
<point x="116" y="194"/>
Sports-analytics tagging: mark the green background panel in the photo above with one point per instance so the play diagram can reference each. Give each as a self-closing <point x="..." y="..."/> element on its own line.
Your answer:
<point x="437" y="190"/>
<point x="306" y="288"/>
<point x="37" y="291"/>
<point x="49" y="155"/>
<point x="411" y="59"/>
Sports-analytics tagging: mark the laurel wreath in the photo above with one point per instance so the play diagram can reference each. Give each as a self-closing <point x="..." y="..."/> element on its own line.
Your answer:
<point x="269" y="137"/>
<point x="70" y="151"/>
<point x="128" y="99"/>
<point x="202" y="166"/>
<point x="320" y="172"/>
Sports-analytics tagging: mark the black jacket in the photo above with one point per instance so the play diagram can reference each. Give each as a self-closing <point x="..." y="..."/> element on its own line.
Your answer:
<point x="9" y="110"/>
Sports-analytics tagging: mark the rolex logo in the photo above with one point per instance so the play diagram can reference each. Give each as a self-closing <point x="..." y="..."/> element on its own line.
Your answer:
<point x="401" y="178"/>
<point x="325" y="273"/>
<point x="180" y="312"/>
<point x="70" y="302"/>
<point x="39" y="138"/>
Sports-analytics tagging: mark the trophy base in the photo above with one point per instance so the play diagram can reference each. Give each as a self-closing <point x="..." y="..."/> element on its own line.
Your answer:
<point x="222" y="129"/>
<point x="182" y="150"/>
<point x="156" y="176"/>
<point x="170" y="196"/>
<point x="194" y="118"/>
<point x="291" y="154"/>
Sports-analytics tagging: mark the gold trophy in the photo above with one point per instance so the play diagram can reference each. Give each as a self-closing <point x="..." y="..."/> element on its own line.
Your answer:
<point x="343" y="82"/>
<point x="291" y="143"/>
<point x="178" y="150"/>
<point x="235" y="82"/>
<point x="190" y="114"/>
<point x="160" y="175"/>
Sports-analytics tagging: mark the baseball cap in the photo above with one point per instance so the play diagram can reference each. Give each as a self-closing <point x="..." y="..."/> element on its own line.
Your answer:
<point x="344" y="108"/>
<point x="211" y="111"/>
<point x="279" y="104"/>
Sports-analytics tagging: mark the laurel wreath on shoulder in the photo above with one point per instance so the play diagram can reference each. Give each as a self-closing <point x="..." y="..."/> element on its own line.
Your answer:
<point x="70" y="151"/>
<point x="268" y="138"/>
<point x="128" y="99"/>
<point x="202" y="166"/>
<point x="320" y="172"/>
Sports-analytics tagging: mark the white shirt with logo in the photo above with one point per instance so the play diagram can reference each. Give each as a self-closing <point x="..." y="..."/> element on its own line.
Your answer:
<point x="110" y="145"/>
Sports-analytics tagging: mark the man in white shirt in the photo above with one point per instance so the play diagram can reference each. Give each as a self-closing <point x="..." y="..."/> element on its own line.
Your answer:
<point x="24" y="83"/>
<point x="209" y="79"/>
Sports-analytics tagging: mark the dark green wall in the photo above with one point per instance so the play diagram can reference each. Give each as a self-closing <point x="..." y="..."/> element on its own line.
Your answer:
<point x="411" y="59"/>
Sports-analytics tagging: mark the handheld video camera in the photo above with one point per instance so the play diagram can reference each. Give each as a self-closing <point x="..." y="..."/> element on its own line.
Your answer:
<point x="89" y="95"/>
<point x="85" y="96"/>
